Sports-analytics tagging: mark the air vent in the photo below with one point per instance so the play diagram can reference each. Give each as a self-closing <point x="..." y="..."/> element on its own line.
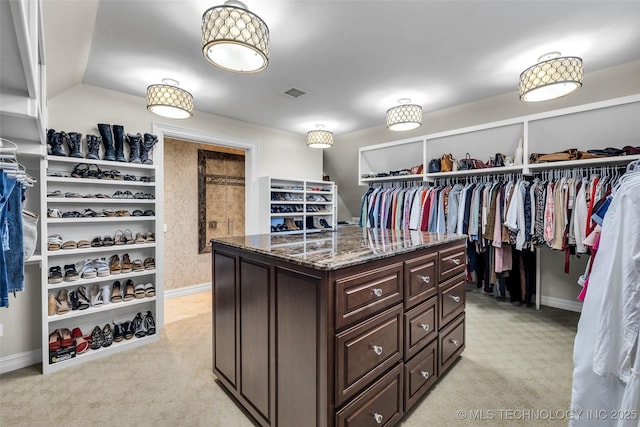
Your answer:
<point x="294" y="93"/>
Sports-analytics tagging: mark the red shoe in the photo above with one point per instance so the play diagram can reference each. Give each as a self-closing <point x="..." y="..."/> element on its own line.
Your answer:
<point x="54" y="341"/>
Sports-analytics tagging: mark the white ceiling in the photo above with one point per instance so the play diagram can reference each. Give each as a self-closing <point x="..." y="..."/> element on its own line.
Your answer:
<point x="354" y="59"/>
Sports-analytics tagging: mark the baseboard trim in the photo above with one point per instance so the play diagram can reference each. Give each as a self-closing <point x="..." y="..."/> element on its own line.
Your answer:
<point x="561" y="303"/>
<point x="20" y="360"/>
<point x="187" y="290"/>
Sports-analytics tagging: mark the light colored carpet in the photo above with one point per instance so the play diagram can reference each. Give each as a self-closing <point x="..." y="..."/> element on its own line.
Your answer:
<point x="515" y="370"/>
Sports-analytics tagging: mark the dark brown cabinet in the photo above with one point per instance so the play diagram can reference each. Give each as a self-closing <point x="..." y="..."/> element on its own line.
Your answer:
<point x="352" y="346"/>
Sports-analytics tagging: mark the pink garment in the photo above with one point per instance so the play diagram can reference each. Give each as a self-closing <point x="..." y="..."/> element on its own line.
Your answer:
<point x="595" y="243"/>
<point x="549" y="232"/>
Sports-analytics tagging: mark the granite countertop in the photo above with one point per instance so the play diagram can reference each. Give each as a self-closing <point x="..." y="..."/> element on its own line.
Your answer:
<point x="331" y="250"/>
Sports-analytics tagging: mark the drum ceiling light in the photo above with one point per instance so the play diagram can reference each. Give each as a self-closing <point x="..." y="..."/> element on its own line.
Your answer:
<point x="168" y="100"/>
<point x="235" y="39"/>
<point x="319" y="138"/>
<point x="552" y="77"/>
<point x="405" y="116"/>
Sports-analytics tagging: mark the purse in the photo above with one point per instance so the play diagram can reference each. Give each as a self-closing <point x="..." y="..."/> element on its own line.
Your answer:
<point x="446" y="163"/>
<point x="570" y="154"/>
<point x="434" y="165"/>
<point x="499" y="160"/>
<point x="468" y="163"/>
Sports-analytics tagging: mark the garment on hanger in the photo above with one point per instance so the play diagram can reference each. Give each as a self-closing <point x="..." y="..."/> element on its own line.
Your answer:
<point x="606" y="356"/>
<point x="11" y="243"/>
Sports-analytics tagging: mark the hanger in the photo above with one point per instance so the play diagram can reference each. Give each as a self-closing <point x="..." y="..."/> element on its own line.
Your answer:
<point x="9" y="163"/>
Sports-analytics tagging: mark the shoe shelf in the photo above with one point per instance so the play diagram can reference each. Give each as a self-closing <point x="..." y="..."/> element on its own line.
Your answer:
<point x="98" y="309"/>
<point x="308" y="199"/>
<point x="101" y="279"/>
<point x="58" y="180"/>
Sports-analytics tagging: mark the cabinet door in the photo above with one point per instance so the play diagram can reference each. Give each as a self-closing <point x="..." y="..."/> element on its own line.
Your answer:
<point x="224" y="317"/>
<point x="254" y="334"/>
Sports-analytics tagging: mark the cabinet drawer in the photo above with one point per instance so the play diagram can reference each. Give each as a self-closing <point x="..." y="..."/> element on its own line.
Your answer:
<point x="367" y="350"/>
<point x="452" y="296"/>
<point x="421" y="279"/>
<point x="451" y="343"/>
<point x="420" y="327"/>
<point x="452" y="261"/>
<point x="420" y="374"/>
<point x="379" y="405"/>
<point x="363" y="294"/>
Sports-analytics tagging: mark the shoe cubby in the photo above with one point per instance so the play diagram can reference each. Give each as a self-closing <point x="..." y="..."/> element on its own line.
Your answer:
<point x="290" y="206"/>
<point x="99" y="264"/>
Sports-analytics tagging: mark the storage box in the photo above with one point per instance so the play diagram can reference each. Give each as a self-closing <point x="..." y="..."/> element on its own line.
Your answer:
<point x="62" y="354"/>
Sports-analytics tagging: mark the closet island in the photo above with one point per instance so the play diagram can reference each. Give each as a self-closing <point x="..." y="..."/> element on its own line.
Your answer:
<point x="350" y="327"/>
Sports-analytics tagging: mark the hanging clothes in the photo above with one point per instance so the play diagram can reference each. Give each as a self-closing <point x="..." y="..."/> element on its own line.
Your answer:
<point x="11" y="239"/>
<point x="606" y="356"/>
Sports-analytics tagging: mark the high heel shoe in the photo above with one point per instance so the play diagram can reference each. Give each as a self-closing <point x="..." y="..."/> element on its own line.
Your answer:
<point x="65" y="338"/>
<point x="83" y="300"/>
<point x="63" y="301"/>
<point x="97" y="338"/>
<point x="52" y="305"/>
<point x="107" y="333"/>
<point x="96" y="296"/>
<point x="54" y="341"/>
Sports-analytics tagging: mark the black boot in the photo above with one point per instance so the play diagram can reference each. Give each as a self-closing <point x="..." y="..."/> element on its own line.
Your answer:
<point x="54" y="139"/>
<point x="74" y="142"/>
<point x="118" y="141"/>
<point x="93" y="147"/>
<point x="107" y="141"/>
<point x="146" y="148"/>
<point x="135" y="142"/>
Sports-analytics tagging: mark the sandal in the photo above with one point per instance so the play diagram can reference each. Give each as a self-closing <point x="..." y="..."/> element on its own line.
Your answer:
<point x="122" y="212"/>
<point x="139" y="291"/>
<point x="107" y="241"/>
<point x="88" y="271"/>
<point x="126" y="264"/>
<point x="149" y="212"/>
<point x="117" y="195"/>
<point x="94" y="172"/>
<point x="55" y="193"/>
<point x="118" y="238"/>
<point x="54" y="341"/>
<point x="70" y="273"/>
<point x="88" y="213"/>
<point x="82" y="345"/>
<point x="55" y="213"/>
<point x="101" y="266"/>
<point x="96" y="296"/>
<point x="129" y="293"/>
<point x="71" y="214"/>
<point x="80" y="171"/>
<point x="84" y="244"/>
<point x="83" y="300"/>
<point x="137" y="265"/>
<point x="71" y="195"/>
<point x="114" y="264"/>
<point x="149" y="264"/>
<point x="149" y="290"/>
<point x="65" y="337"/>
<point x="107" y="334"/>
<point x="70" y="244"/>
<point x="52" y="305"/>
<point x="63" y="302"/>
<point x="118" y="332"/>
<point x="138" y="326"/>
<point x="116" y="292"/>
<point x="137" y="212"/>
<point x="127" y="195"/>
<point x="128" y="237"/>
<point x="149" y="323"/>
<point x="128" y="330"/>
<point x="150" y="237"/>
<point x="97" y="242"/>
<point x="54" y="242"/>
<point x="97" y="338"/>
<point x="109" y="212"/>
<point x="55" y="275"/>
<point x="140" y="238"/>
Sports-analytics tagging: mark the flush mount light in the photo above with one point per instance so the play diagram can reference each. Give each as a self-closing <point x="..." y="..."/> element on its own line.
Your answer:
<point x="319" y="138"/>
<point x="168" y="100"/>
<point x="235" y="39"/>
<point x="405" y="116"/>
<point x="552" y="77"/>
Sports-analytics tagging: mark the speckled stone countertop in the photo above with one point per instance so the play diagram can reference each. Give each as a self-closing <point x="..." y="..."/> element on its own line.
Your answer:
<point x="331" y="250"/>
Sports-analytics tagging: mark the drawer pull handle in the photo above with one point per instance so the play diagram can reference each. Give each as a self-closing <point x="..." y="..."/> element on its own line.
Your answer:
<point x="377" y="349"/>
<point x="378" y="417"/>
<point x="456" y="261"/>
<point x="455" y="298"/>
<point x="377" y="292"/>
<point x="425" y="374"/>
<point x="425" y="279"/>
<point x="455" y="342"/>
<point x="425" y="326"/>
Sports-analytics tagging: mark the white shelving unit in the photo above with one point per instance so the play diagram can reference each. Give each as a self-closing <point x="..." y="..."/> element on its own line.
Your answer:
<point x="611" y="123"/>
<point x="303" y="206"/>
<point x="88" y="228"/>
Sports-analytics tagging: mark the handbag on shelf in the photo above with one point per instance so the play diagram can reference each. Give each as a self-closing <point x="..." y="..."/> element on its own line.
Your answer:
<point x="468" y="163"/>
<point x="416" y="170"/>
<point x="446" y="163"/>
<point x="434" y="165"/>
<point x="499" y="161"/>
<point x="570" y="154"/>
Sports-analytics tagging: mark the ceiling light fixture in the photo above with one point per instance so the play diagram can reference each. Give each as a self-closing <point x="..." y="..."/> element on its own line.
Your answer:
<point x="405" y="116"/>
<point x="168" y="100"/>
<point x="235" y="39"/>
<point x="552" y="77"/>
<point x="319" y="138"/>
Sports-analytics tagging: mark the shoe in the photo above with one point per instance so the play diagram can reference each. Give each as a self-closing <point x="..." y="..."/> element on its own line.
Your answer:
<point x="55" y="275"/>
<point x="107" y="333"/>
<point x="56" y="140"/>
<point x="54" y="341"/>
<point x="140" y="238"/>
<point x="88" y="271"/>
<point x="138" y="326"/>
<point x="96" y="296"/>
<point x="114" y="264"/>
<point x="101" y="266"/>
<point x="83" y="300"/>
<point x="150" y="237"/>
<point x="116" y="292"/>
<point x="118" y="332"/>
<point x="126" y="264"/>
<point x="128" y="237"/>
<point x="146" y="146"/>
<point x="129" y="291"/>
<point x="105" y="291"/>
<point x="149" y="290"/>
<point x="82" y="345"/>
<point x="97" y="242"/>
<point x="63" y="301"/>
<point x="97" y="338"/>
<point x="52" y="305"/>
<point x="149" y="323"/>
<point x="93" y="147"/>
<point x="128" y="330"/>
<point x="118" y="238"/>
<point x="73" y="299"/>
<point x="65" y="338"/>
<point x="107" y="142"/>
<point x="139" y="291"/>
<point x="107" y="241"/>
<point x="134" y="141"/>
<point x="54" y="242"/>
<point x="149" y="264"/>
<point x="70" y="273"/>
<point x="137" y="265"/>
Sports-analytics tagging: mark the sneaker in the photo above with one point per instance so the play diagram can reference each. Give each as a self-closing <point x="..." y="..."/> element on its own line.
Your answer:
<point x="70" y="273"/>
<point x="55" y="275"/>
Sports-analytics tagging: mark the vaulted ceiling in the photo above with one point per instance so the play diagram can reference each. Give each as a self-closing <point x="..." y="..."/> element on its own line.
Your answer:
<point x="354" y="59"/>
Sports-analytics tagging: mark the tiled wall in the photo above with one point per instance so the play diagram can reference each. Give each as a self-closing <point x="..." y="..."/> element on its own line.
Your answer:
<point x="183" y="265"/>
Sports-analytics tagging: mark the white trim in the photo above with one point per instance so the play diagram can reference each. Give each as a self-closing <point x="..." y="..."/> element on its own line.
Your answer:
<point x="561" y="303"/>
<point x="187" y="290"/>
<point x="20" y="360"/>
